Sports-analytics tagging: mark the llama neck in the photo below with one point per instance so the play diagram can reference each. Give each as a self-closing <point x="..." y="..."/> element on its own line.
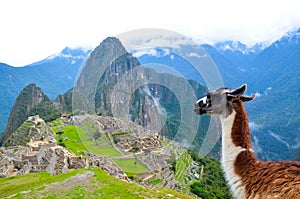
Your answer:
<point x="236" y="127"/>
<point x="235" y="140"/>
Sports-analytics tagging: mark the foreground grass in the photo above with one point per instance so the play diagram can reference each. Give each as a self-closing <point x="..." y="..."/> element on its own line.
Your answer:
<point x="95" y="184"/>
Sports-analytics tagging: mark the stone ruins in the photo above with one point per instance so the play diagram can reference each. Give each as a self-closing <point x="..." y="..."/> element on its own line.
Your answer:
<point x="132" y="141"/>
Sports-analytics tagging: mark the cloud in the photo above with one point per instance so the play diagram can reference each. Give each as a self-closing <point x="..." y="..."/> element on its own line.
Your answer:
<point x="257" y="94"/>
<point x="254" y="126"/>
<point x="31" y="32"/>
<point x="192" y="54"/>
<point x="151" y="51"/>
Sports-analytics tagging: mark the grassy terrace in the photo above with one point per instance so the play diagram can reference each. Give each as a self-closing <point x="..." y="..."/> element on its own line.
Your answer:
<point x="130" y="166"/>
<point x="83" y="138"/>
<point x="82" y="183"/>
<point x="182" y="164"/>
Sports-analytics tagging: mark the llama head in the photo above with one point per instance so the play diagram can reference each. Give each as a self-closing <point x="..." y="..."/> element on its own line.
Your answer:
<point x="220" y="101"/>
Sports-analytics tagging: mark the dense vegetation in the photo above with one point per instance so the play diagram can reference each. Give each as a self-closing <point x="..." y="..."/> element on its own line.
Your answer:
<point x="46" y="110"/>
<point x="21" y="135"/>
<point x="30" y="97"/>
<point x="212" y="183"/>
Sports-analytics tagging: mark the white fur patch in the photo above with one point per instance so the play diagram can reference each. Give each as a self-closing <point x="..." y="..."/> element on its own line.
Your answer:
<point x="229" y="155"/>
<point x="204" y="100"/>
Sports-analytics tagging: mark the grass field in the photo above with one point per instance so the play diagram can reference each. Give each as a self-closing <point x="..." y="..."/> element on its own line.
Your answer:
<point x="82" y="183"/>
<point x="130" y="165"/>
<point x="72" y="140"/>
<point x="78" y="139"/>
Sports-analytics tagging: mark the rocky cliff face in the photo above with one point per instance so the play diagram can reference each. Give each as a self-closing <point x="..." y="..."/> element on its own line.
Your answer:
<point x="112" y="83"/>
<point x="29" y="97"/>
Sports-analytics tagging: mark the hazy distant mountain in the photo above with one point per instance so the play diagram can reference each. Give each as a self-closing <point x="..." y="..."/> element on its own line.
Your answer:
<point x="55" y="75"/>
<point x="273" y="72"/>
<point x="275" y="75"/>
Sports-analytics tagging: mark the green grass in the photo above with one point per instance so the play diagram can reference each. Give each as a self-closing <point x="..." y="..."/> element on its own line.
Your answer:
<point x="57" y="122"/>
<point x="155" y="182"/>
<point x="77" y="140"/>
<point x="75" y="137"/>
<point x="182" y="164"/>
<point x="16" y="184"/>
<point x="98" y="185"/>
<point x="130" y="165"/>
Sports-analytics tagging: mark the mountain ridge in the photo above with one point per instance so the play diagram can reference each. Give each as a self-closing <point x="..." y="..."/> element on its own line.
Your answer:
<point x="278" y="84"/>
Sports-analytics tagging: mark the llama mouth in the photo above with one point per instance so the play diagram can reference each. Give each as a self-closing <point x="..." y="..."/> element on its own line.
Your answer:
<point x="202" y="110"/>
<point x="197" y="110"/>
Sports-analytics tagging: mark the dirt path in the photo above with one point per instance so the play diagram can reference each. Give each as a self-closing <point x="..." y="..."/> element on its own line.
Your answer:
<point x="81" y="179"/>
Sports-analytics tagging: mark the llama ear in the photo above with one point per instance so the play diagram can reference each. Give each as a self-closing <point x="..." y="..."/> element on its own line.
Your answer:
<point x="239" y="91"/>
<point x="247" y="98"/>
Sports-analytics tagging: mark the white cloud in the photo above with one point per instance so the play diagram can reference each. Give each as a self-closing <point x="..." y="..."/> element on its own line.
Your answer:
<point x="35" y="29"/>
<point x="267" y="90"/>
<point x="254" y="126"/>
<point x="142" y="52"/>
<point x="192" y="54"/>
<point x="257" y="94"/>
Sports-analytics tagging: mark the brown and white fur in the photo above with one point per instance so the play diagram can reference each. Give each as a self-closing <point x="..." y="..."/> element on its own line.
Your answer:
<point x="246" y="175"/>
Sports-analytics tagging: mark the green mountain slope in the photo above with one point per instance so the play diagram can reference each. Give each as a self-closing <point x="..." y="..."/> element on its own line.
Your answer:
<point x="25" y="103"/>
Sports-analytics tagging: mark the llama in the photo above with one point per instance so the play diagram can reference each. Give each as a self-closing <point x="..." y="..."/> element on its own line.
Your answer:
<point x="246" y="175"/>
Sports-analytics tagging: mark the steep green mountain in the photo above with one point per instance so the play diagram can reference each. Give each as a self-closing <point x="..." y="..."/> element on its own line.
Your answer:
<point x="64" y="101"/>
<point x="30" y="102"/>
<point x="26" y="101"/>
<point x="112" y="83"/>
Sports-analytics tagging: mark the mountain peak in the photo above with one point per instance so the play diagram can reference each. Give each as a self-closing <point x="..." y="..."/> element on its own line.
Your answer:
<point x="67" y="52"/>
<point x="29" y="97"/>
<point x="236" y="46"/>
<point x="113" y="44"/>
<point x="291" y="36"/>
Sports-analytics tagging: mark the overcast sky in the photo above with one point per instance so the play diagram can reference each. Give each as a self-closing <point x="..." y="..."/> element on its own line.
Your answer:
<point x="34" y="29"/>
